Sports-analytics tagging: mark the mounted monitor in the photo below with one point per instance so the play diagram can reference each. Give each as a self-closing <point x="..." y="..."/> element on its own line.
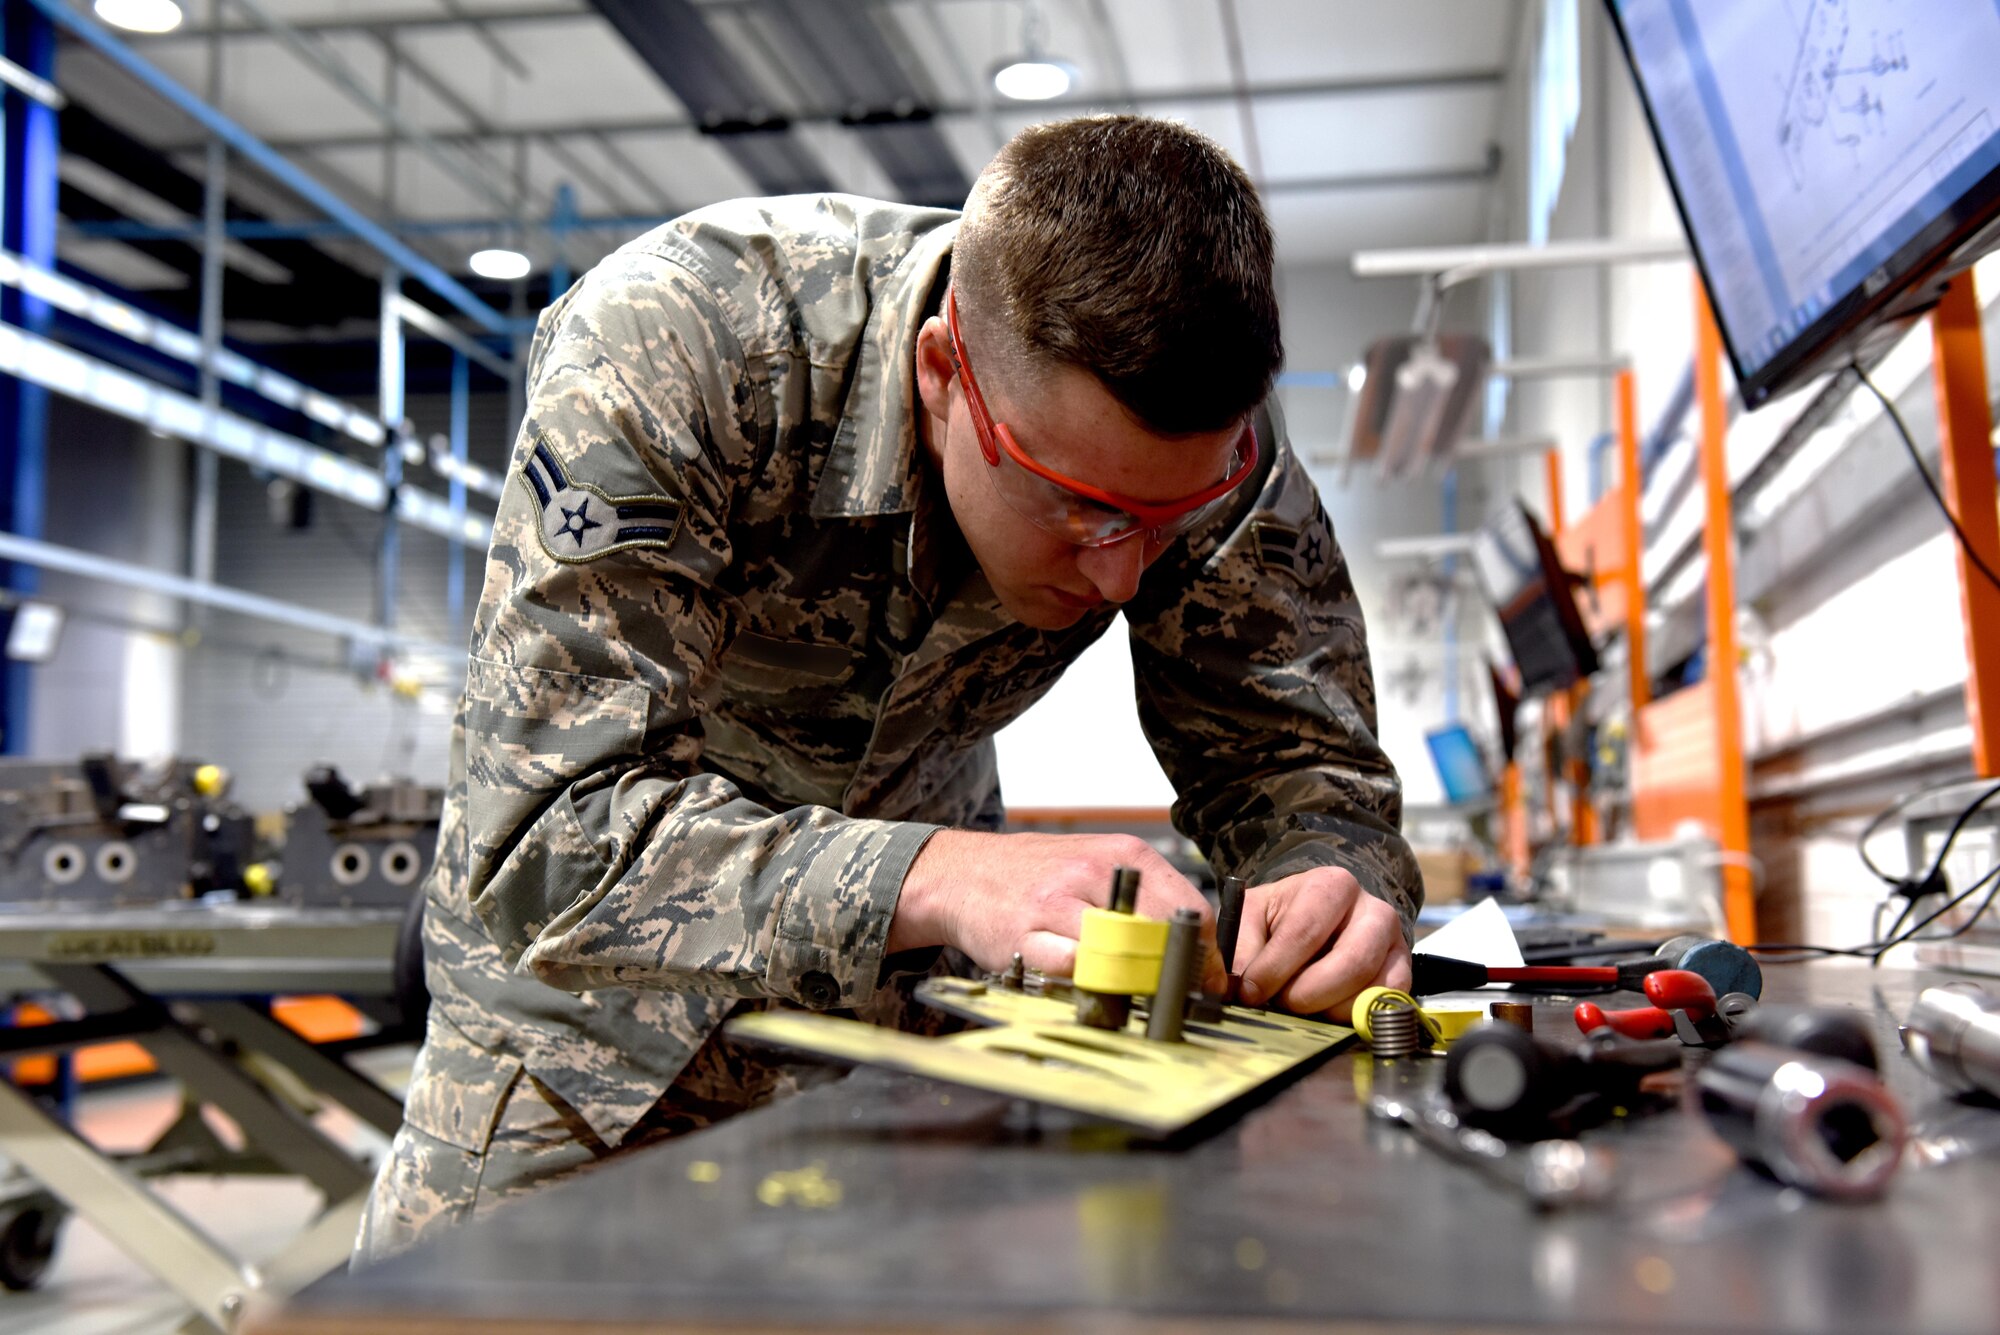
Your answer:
<point x="1462" y="772"/>
<point x="1835" y="161"/>
<point x="1535" y="599"/>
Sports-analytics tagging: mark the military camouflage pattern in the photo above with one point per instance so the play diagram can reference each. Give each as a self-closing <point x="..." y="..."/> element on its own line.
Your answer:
<point x="702" y="742"/>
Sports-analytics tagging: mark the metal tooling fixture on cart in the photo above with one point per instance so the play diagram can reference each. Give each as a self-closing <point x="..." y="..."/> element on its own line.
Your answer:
<point x="104" y="869"/>
<point x="103" y="831"/>
<point x="359" y="848"/>
<point x="185" y="982"/>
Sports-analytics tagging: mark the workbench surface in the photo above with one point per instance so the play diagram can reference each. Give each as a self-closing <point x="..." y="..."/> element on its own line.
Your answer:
<point x="885" y="1202"/>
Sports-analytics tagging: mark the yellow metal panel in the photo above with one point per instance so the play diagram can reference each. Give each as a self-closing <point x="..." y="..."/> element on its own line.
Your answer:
<point x="1033" y="1049"/>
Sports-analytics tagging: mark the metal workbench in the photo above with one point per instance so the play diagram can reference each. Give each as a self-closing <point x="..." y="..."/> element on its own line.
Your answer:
<point x="888" y="1203"/>
<point x="181" y="981"/>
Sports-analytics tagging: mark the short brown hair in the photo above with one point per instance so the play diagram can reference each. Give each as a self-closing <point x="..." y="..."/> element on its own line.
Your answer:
<point x="1134" y="249"/>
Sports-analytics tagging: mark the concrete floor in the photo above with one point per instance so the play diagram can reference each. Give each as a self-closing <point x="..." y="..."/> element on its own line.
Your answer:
<point x="92" y="1288"/>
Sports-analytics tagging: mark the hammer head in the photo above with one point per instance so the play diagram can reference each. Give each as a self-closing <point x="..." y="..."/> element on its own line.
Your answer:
<point x="1727" y="967"/>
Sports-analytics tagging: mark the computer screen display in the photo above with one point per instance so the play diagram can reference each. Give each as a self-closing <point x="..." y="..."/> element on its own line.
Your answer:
<point x="1535" y="599"/>
<point x="1827" y="155"/>
<point x="1461" y="768"/>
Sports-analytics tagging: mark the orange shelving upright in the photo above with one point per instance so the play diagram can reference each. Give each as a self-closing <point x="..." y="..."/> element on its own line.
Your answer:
<point x="1965" y="456"/>
<point x="1687" y="749"/>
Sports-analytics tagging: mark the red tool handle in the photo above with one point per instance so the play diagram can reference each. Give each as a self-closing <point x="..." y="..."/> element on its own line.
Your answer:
<point x="1548" y="973"/>
<point x="1643" y="1022"/>
<point x="1681" y="990"/>
<point x="1669" y="990"/>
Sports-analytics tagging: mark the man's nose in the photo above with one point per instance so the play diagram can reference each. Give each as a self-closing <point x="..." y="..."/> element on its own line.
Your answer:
<point x="1114" y="570"/>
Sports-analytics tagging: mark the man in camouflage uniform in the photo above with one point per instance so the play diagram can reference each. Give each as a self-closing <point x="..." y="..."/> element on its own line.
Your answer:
<point x="770" y="572"/>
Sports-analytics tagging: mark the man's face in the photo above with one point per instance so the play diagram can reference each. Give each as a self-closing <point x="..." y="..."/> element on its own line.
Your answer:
<point x="1069" y="422"/>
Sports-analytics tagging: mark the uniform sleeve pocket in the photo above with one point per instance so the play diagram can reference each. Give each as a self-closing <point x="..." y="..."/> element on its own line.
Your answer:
<point x="529" y="734"/>
<point x="531" y="731"/>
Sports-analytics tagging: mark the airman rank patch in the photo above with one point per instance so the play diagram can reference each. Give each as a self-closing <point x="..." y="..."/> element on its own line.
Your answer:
<point x="581" y="523"/>
<point x="1306" y="554"/>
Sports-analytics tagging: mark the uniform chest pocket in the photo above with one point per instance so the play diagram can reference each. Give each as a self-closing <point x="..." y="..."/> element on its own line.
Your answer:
<point x="768" y="670"/>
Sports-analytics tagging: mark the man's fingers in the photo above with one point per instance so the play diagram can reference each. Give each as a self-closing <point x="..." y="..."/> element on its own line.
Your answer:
<point x="1251" y="934"/>
<point x="1162" y="890"/>
<point x="1049" y="953"/>
<point x="1361" y="957"/>
<point x="1397" y="972"/>
<point x="1304" y="923"/>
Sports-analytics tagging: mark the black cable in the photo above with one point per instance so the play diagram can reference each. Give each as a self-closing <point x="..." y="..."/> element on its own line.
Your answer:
<point x="1910" y="934"/>
<point x="1913" y="883"/>
<point x="1902" y="916"/>
<point x="1903" y="431"/>
<point x="1875" y="950"/>
<point x="1911" y="889"/>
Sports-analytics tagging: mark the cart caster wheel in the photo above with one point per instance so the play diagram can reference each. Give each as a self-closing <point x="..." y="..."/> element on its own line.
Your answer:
<point x="28" y="1244"/>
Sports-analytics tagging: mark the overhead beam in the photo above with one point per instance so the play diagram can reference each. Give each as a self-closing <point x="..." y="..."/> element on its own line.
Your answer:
<point x="274" y="164"/>
<point x="677" y="44"/>
<point x="306" y="266"/>
<point x="1306" y="185"/>
<point x="844" y="53"/>
<point x="476" y="177"/>
<point x="1193" y="94"/>
<point x="416" y="20"/>
<point x="95" y="566"/>
<point x="1470" y="261"/>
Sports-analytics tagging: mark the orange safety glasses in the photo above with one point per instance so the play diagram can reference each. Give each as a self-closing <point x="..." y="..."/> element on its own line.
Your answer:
<point x="1076" y="511"/>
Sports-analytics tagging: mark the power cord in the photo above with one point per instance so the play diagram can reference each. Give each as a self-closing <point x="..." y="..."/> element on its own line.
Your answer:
<point x="1798" y="952"/>
<point x="1932" y="881"/>
<point x="1912" y="888"/>
<point x="1916" y="461"/>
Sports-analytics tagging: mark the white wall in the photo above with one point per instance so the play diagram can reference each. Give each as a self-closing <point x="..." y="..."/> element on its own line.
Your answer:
<point x="116" y="490"/>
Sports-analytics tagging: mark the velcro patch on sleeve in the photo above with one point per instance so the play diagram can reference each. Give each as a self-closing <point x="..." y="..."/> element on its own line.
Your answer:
<point x="582" y="523"/>
<point x="1305" y="553"/>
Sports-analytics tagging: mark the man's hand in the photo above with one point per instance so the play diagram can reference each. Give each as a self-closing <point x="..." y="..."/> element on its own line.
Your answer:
<point x="1313" y="941"/>
<point x="992" y="895"/>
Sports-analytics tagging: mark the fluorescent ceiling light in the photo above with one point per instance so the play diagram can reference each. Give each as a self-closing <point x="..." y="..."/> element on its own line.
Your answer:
<point x="140" y="15"/>
<point x="1034" y="79"/>
<point x="500" y="264"/>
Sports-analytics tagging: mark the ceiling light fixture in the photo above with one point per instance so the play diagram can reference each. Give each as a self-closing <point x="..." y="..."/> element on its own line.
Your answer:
<point x="140" y="15"/>
<point x="500" y="264"/>
<point x="1033" y="76"/>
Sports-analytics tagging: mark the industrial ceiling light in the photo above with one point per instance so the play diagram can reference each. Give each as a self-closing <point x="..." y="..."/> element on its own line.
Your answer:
<point x="1033" y="76"/>
<point x="140" y="15"/>
<point x="503" y="265"/>
<point x="1033" y="80"/>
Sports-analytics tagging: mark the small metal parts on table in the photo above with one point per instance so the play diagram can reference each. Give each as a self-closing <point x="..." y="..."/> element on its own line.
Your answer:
<point x="1819" y="1123"/>
<point x="1394" y="1025"/>
<point x="1521" y="1087"/>
<point x="1954" y="1035"/>
<point x="1552" y="1174"/>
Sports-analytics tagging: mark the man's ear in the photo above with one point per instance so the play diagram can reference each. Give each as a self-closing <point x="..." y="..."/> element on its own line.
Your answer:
<point x="935" y="367"/>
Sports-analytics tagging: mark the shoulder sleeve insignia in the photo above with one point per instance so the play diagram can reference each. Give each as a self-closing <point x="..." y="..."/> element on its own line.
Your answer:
<point x="581" y="523"/>
<point x="1305" y="553"/>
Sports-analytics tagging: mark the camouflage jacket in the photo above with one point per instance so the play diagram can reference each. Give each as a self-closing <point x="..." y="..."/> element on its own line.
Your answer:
<point x="732" y="663"/>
